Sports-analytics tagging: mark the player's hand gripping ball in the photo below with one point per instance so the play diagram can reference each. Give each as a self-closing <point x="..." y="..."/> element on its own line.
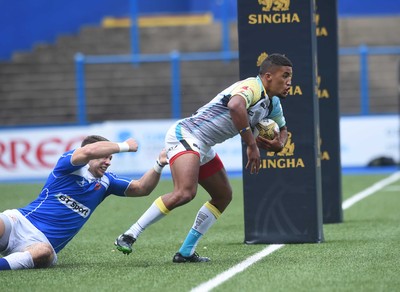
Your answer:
<point x="265" y="128"/>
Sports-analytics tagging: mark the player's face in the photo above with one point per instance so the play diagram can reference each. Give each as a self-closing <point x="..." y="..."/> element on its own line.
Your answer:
<point x="279" y="81"/>
<point x="99" y="166"/>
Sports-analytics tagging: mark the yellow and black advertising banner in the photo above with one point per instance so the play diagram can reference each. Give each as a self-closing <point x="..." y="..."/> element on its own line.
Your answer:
<point x="327" y="80"/>
<point x="283" y="203"/>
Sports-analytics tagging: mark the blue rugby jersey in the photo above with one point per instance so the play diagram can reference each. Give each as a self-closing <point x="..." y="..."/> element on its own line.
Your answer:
<point x="68" y="198"/>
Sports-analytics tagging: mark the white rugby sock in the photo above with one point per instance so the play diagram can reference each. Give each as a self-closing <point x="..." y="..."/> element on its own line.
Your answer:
<point x="20" y="260"/>
<point x="206" y="217"/>
<point x="156" y="211"/>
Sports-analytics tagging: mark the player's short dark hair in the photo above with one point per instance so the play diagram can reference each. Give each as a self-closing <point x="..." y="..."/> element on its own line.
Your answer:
<point x="92" y="139"/>
<point x="274" y="60"/>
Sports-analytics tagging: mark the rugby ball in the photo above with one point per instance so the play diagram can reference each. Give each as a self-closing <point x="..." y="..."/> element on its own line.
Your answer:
<point x="265" y="128"/>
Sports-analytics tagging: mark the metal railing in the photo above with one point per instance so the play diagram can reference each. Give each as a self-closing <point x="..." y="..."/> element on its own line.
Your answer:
<point x="175" y="58"/>
<point x="363" y="52"/>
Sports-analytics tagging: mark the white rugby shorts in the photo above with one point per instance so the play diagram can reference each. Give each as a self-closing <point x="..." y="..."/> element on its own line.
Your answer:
<point x="179" y="140"/>
<point x="23" y="234"/>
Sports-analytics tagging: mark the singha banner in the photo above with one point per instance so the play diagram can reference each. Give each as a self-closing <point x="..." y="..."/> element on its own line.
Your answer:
<point x="283" y="203"/>
<point x="327" y="44"/>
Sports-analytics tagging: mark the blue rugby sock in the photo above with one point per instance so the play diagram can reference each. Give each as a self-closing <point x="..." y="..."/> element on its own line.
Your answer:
<point x="4" y="265"/>
<point x="189" y="245"/>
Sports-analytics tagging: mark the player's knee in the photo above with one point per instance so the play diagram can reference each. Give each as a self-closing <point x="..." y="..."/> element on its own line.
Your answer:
<point x="185" y="196"/>
<point x="2" y="228"/>
<point x="227" y="195"/>
<point x="226" y="201"/>
<point x="228" y="198"/>
<point x="188" y="196"/>
<point x="44" y="261"/>
<point x="223" y="199"/>
<point x="42" y="255"/>
<point x="5" y="230"/>
<point x="3" y="241"/>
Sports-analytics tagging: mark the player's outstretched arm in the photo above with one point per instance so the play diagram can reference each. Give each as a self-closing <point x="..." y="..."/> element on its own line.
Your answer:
<point x="146" y="184"/>
<point x="101" y="149"/>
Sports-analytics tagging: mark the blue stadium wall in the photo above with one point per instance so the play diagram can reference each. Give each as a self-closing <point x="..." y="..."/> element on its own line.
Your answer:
<point x="24" y="23"/>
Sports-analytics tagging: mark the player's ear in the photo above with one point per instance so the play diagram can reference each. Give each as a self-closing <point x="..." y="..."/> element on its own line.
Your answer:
<point x="268" y="75"/>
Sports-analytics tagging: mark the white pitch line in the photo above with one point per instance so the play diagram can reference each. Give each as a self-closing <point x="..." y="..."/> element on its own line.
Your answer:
<point x="221" y="278"/>
<point x="224" y="276"/>
<point x="371" y="190"/>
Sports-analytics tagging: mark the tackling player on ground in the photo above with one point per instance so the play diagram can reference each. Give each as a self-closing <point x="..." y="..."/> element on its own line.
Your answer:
<point x="31" y="237"/>
<point x="236" y="110"/>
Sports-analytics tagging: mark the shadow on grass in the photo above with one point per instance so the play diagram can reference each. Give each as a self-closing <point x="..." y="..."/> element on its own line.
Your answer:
<point x="105" y="264"/>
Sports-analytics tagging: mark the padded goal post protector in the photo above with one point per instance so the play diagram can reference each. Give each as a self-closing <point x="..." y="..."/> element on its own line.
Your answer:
<point x="327" y="80"/>
<point x="283" y="203"/>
